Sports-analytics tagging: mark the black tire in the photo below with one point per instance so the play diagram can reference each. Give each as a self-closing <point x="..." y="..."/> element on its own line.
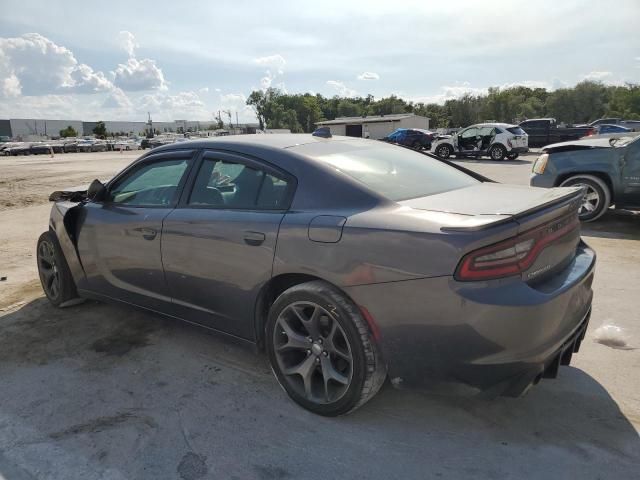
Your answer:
<point x="497" y="152"/>
<point x="597" y="198"/>
<point x="512" y="156"/>
<point x="366" y="371"/>
<point x="417" y="146"/>
<point x="444" y="151"/>
<point x="55" y="276"/>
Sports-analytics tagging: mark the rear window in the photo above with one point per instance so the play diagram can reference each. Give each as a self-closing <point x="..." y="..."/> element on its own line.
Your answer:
<point x="516" y="131"/>
<point x="394" y="172"/>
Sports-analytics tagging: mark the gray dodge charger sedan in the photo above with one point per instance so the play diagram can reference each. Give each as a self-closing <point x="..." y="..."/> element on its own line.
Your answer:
<point x="347" y="260"/>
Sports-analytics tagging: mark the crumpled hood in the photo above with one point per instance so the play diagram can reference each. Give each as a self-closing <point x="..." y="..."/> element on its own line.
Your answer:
<point x="579" y="144"/>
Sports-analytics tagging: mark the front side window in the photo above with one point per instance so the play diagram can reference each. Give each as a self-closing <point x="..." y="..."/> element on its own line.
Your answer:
<point x="152" y="184"/>
<point x="231" y="185"/>
<point x="469" y="133"/>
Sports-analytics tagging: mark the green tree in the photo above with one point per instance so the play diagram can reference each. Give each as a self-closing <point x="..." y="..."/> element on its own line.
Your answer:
<point x="68" y="132"/>
<point x="100" y="129"/>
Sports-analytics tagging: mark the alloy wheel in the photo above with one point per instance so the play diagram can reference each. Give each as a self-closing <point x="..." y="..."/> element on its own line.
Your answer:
<point x="313" y="352"/>
<point x="590" y="200"/>
<point x="48" y="269"/>
<point x="443" y="152"/>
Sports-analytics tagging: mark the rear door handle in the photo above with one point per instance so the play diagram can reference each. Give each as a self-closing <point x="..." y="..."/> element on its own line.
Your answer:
<point x="148" y="233"/>
<point x="254" y="238"/>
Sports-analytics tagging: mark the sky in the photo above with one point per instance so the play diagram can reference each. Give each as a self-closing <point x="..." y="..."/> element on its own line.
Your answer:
<point x="187" y="60"/>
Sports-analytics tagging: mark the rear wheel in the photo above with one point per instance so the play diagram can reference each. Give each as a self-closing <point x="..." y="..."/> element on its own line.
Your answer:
<point x="596" y="199"/>
<point x="444" y="151"/>
<point x="417" y="146"/>
<point x="321" y="350"/>
<point x="497" y="152"/>
<point x="55" y="276"/>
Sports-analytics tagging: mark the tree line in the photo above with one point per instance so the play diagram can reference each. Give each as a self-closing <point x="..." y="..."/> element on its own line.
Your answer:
<point x="582" y="103"/>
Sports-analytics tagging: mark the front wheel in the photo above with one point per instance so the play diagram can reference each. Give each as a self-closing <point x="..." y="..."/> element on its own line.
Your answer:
<point x="497" y="152"/>
<point x="55" y="276"/>
<point x="444" y="151"/>
<point x="321" y="350"/>
<point x="596" y="198"/>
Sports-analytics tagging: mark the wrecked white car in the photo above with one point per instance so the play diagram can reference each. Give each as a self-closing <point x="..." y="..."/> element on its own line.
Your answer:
<point x="495" y="140"/>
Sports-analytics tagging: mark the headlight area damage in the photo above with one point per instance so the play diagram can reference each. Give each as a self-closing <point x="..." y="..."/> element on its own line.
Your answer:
<point x="63" y="222"/>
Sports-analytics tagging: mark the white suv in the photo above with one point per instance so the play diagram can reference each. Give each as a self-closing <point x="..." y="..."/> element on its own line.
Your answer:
<point x="496" y="140"/>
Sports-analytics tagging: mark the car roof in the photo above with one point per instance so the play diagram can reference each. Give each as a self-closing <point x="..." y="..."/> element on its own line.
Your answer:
<point x="494" y="124"/>
<point x="273" y="140"/>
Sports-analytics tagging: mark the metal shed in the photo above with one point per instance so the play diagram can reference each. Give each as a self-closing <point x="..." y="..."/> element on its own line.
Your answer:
<point x="375" y="127"/>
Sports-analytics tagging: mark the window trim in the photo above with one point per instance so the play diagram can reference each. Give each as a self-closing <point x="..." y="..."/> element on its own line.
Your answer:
<point x="148" y="159"/>
<point x="233" y="157"/>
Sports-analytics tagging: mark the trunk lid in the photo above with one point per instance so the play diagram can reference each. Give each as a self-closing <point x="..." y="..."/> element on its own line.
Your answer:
<point x="551" y="212"/>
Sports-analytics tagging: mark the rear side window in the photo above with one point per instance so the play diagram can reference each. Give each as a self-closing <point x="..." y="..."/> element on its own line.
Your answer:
<point x="516" y="131"/>
<point x="231" y="185"/>
<point x="396" y="173"/>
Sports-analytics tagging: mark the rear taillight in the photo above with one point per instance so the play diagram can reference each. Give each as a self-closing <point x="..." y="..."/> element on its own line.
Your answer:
<point x="515" y="255"/>
<point x="591" y="131"/>
<point x="509" y="143"/>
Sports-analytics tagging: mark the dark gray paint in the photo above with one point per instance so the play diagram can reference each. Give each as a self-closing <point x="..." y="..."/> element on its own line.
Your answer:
<point x="396" y="260"/>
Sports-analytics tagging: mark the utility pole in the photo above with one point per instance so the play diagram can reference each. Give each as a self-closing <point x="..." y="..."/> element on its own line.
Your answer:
<point x="237" y="119"/>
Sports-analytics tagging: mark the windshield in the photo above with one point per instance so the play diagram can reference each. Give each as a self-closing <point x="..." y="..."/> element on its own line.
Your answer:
<point x="394" y="172"/>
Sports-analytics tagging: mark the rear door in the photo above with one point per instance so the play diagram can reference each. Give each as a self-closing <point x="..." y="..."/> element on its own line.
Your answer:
<point x="119" y="238"/>
<point x="218" y="245"/>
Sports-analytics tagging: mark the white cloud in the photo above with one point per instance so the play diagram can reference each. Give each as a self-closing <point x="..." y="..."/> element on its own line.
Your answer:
<point x="34" y="65"/>
<point x="127" y="42"/>
<point x="117" y="99"/>
<point x="204" y="90"/>
<point x="139" y="75"/>
<point x="341" y="88"/>
<point x="187" y="105"/>
<point x="598" y="76"/>
<point x="368" y="76"/>
<point x="275" y="68"/>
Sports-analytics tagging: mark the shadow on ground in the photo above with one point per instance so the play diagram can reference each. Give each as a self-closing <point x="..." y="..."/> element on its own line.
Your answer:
<point x="621" y="224"/>
<point x="99" y="391"/>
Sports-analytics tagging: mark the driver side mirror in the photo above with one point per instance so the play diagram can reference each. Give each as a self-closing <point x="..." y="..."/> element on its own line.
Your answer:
<point x="96" y="192"/>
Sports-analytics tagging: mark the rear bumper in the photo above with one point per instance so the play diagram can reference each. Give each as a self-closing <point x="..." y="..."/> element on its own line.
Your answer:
<point x="519" y="150"/>
<point x="498" y="337"/>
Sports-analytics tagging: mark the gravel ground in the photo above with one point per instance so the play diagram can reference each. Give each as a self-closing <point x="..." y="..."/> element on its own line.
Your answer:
<point x="104" y="392"/>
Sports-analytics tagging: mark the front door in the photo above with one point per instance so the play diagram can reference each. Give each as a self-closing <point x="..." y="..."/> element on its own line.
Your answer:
<point x="631" y="175"/>
<point x="119" y="238"/>
<point x="218" y="244"/>
<point x="468" y="140"/>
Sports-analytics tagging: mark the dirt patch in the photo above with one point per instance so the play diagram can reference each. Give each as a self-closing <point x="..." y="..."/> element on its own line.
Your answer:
<point x="103" y="423"/>
<point x="192" y="466"/>
<point x="123" y="340"/>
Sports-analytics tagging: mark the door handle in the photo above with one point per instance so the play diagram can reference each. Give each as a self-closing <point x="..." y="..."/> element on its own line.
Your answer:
<point x="148" y="233"/>
<point x="254" y="238"/>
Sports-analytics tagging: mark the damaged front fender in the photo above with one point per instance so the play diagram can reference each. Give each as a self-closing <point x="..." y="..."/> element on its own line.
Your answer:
<point x="63" y="222"/>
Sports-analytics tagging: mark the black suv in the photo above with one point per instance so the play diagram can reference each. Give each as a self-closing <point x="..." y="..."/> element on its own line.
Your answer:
<point x="415" y="138"/>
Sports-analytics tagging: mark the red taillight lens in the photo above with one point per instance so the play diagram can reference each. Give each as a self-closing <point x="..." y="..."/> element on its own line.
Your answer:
<point x="515" y="255"/>
<point x="509" y="143"/>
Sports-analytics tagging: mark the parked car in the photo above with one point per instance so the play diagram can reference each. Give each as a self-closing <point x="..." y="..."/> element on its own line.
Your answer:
<point x="20" y="148"/>
<point x="144" y="143"/>
<point x="607" y="168"/>
<point x="125" y="145"/>
<point x="496" y="140"/>
<point x="411" y="267"/>
<point x="544" y="131"/>
<point x="633" y="125"/>
<point x="604" y="129"/>
<point x="416" y="138"/>
<point x="70" y="146"/>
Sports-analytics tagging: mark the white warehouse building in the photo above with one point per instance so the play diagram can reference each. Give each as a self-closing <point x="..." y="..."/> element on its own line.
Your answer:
<point x="32" y="127"/>
<point x="374" y="127"/>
